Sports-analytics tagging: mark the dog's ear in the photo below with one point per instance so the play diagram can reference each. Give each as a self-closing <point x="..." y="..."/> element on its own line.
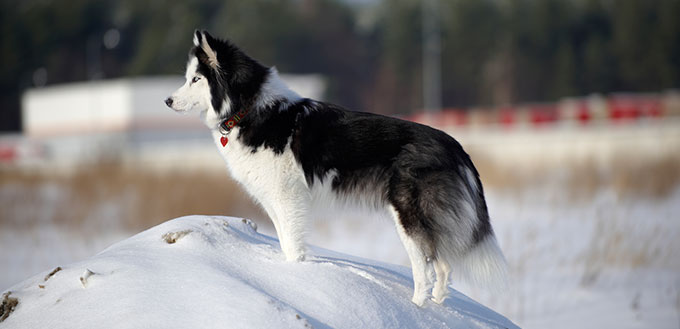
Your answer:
<point x="197" y="38"/>
<point x="203" y="40"/>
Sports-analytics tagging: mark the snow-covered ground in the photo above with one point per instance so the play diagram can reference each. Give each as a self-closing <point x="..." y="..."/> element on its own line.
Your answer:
<point x="217" y="272"/>
<point x="604" y="261"/>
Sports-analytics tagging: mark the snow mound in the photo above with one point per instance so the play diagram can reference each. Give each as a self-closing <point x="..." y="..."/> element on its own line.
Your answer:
<point x="218" y="272"/>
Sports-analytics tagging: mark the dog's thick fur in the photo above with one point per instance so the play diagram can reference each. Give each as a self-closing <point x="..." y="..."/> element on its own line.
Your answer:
<point x="293" y="154"/>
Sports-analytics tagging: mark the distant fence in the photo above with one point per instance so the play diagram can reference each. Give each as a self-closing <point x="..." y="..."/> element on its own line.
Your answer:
<point x="617" y="108"/>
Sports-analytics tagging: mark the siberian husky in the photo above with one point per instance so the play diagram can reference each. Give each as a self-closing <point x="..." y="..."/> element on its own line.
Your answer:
<point x="292" y="154"/>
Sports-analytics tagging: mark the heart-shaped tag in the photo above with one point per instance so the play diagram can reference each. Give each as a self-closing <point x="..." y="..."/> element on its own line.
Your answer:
<point x="224" y="141"/>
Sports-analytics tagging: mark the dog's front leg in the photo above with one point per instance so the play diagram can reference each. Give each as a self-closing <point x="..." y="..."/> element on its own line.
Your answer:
<point x="289" y="212"/>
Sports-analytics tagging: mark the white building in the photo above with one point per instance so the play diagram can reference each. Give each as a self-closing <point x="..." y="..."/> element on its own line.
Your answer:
<point x="121" y="119"/>
<point x="110" y="106"/>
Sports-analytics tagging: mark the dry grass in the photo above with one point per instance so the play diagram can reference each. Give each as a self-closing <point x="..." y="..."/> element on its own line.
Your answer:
<point x="135" y="199"/>
<point x="629" y="178"/>
<point x="620" y="243"/>
<point x="7" y="305"/>
<point x="110" y="195"/>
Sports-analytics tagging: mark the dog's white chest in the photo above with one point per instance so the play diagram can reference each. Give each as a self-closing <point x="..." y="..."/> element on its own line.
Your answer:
<point x="258" y="170"/>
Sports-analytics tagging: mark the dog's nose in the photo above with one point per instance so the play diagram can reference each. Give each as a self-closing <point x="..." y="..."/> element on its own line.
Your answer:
<point x="168" y="101"/>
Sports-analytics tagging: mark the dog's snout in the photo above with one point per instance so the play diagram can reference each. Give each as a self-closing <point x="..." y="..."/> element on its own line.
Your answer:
<point x="168" y="101"/>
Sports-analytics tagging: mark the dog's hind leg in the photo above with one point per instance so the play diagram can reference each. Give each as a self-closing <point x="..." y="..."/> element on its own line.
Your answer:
<point x="420" y="262"/>
<point x="441" y="287"/>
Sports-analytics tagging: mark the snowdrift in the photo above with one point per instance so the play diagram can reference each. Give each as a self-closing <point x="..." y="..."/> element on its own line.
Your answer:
<point x="218" y="272"/>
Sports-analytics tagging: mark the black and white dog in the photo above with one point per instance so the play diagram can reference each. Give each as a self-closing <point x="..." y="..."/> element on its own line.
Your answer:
<point x="294" y="154"/>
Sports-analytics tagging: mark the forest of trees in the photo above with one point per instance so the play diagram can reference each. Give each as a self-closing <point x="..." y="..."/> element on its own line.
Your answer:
<point x="494" y="52"/>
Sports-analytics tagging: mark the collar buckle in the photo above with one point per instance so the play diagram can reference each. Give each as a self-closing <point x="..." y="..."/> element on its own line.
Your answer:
<point x="227" y="125"/>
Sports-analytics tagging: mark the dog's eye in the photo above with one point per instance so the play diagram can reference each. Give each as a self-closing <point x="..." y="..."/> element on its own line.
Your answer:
<point x="195" y="79"/>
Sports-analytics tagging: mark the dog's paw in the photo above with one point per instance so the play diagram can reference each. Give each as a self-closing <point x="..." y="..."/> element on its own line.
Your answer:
<point x="440" y="295"/>
<point x="439" y="299"/>
<point x="295" y="257"/>
<point x="419" y="299"/>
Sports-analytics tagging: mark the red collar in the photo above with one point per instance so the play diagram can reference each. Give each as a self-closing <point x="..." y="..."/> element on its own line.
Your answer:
<point x="227" y="125"/>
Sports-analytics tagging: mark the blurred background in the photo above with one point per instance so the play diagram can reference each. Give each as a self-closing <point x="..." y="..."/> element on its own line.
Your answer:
<point x="569" y="109"/>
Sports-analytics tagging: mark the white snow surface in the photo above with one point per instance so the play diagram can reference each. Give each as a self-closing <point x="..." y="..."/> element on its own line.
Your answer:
<point x="219" y="272"/>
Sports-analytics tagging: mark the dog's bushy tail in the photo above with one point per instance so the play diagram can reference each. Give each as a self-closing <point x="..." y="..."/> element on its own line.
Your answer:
<point x="483" y="265"/>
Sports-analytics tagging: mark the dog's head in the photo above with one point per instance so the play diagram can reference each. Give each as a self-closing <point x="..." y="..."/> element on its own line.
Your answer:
<point x="220" y="79"/>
